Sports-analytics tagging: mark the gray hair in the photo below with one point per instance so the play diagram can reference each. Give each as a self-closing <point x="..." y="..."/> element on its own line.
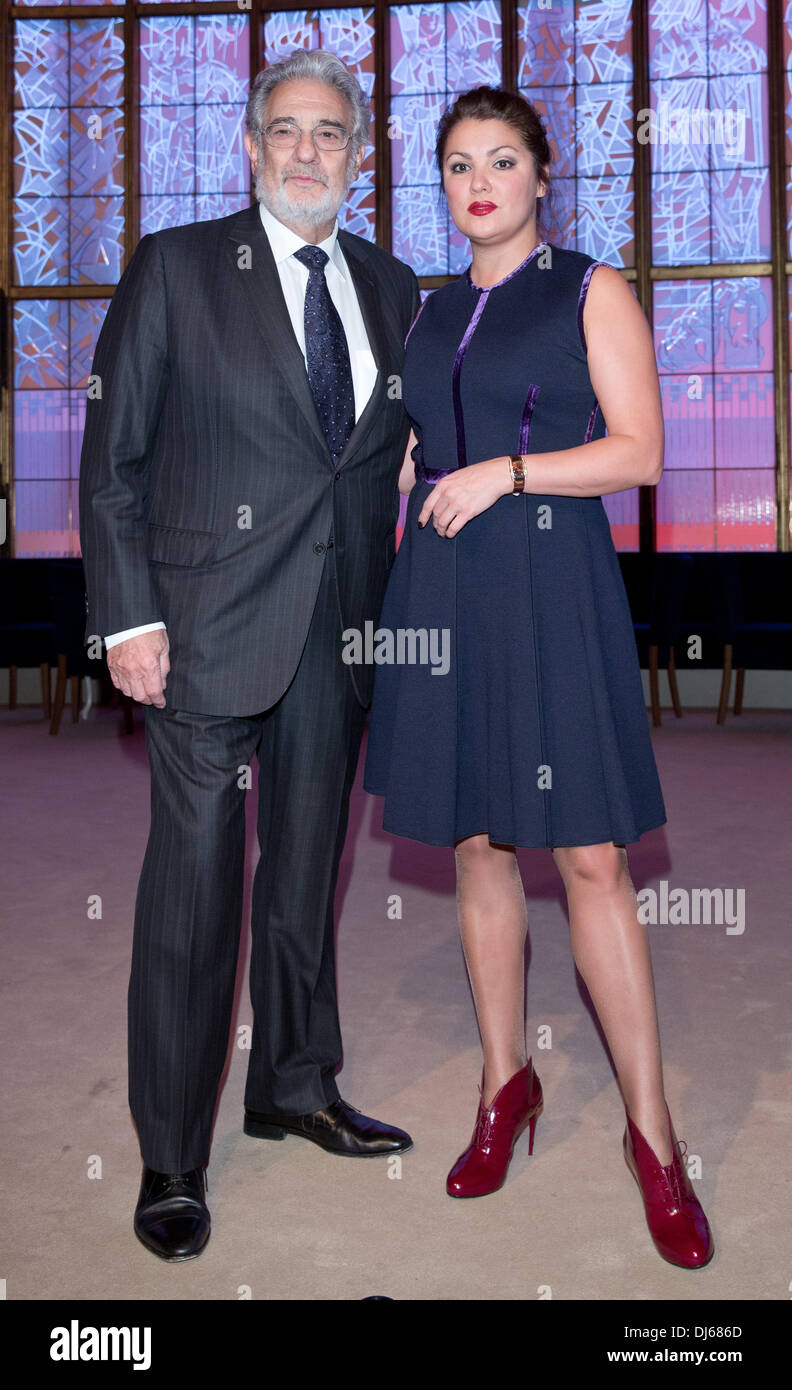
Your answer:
<point x="321" y="66"/>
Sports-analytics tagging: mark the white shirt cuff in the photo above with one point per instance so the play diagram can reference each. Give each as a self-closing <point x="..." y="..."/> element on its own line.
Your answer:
<point x="116" y="637"/>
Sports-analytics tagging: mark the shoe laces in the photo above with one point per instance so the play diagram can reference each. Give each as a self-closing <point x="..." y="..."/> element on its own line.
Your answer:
<point x="484" y="1123"/>
<point x="174" y="1180"/>
<point x="672" y="1172"/>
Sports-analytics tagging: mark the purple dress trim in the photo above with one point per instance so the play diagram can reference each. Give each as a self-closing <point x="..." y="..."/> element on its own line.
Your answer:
<point x="461" y="350"/>
<point x="433" y="475"/>
<point x="525" y="422"/>
<point x="582" y="299"/>
<point x="590" y="426"/>
<point x="516" y="271"/>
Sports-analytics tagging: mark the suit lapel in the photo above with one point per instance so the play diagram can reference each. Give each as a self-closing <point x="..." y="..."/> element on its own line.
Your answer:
<point x="264" y="297"/>
<point x="368" y="299"/>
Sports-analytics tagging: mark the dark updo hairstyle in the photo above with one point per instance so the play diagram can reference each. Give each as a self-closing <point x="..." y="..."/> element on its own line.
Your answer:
<point x="495" y="104"/>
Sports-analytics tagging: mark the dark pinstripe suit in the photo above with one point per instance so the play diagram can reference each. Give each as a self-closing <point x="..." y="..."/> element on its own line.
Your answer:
<point x="206" y="418"/>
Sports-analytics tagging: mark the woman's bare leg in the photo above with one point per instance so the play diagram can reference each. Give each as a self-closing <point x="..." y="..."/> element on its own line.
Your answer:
<point x="493" y="922"/>
<point x="611" y="950"/>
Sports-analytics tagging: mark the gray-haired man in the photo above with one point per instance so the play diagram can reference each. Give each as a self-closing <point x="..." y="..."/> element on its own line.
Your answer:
<point x="238" y="503"/>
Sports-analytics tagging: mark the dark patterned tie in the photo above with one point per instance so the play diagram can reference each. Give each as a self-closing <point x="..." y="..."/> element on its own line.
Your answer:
<point x="327" y="355"/>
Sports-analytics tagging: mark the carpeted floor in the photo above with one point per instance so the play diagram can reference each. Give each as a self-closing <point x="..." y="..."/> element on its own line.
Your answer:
<point x="290" y="1221"/>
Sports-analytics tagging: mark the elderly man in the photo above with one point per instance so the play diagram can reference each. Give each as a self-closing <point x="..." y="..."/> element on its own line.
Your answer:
<point x="238" y="504"/>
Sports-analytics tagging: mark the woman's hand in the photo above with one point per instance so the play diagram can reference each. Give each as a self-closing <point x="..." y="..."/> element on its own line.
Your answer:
<point x="465" y="493"/>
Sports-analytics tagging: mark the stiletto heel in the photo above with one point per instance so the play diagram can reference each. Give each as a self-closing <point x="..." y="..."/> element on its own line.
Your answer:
<point x="532" y="1127"/>
<point x="482" y="1168"/>
<point x="674" y="1215"/>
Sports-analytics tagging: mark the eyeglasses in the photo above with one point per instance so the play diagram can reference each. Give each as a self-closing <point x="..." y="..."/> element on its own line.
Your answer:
<point x="284" y="135"/>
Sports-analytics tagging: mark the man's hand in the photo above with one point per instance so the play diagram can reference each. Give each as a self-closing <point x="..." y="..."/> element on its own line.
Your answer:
<point x="465" y="493"/>
<point x="139" y="666"/>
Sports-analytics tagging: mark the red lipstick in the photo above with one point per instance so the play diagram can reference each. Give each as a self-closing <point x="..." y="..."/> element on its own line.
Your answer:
<point x="481" y="209"/>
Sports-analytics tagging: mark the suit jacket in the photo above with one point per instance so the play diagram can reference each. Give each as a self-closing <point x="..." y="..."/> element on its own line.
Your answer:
<point x="207" y="490"/>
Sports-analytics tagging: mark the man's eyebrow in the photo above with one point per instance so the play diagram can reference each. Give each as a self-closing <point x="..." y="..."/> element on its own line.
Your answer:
<point x="323" y="120"/>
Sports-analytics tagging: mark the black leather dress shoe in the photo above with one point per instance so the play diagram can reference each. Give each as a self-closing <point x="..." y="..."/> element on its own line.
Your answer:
<point x="171" y="1217"/>
<point x="339" y="1128"/>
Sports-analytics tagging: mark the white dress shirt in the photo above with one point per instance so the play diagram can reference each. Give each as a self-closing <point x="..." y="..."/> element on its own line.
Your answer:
<point x="294" y="280"/>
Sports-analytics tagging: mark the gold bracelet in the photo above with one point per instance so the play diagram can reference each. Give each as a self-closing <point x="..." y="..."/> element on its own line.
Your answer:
<point x="517" y="470"/>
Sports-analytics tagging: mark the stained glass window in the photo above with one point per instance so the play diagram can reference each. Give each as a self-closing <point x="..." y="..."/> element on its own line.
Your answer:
<point x="77" y="208"/>
<point x="68" y="151"/>
<point x="713" y="344"/>
<point x="55" y="341"/>
<point x="194" y="81"/>
<point x="68" y="225"/>
<point x="713" y="336"/>
<point x="708" y="132"/>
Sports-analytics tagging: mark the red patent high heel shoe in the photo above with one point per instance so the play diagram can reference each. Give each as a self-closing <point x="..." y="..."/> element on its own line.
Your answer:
<point x="674" y="1215"/>
<point x="483" y="1166"/>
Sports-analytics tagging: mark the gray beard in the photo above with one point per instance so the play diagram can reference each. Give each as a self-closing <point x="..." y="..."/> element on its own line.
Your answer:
<point x="314" y="214"/>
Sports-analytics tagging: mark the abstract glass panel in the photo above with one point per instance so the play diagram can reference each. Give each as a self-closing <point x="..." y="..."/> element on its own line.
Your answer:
<point x="744" y="420"/>
<point x="41" y="344"/>
<point x="68" y="148"/>
<point x="682" y="317"/>
<point x="41" y="434"/>
<point x="46" y="523"/>
<point x="745" y="506"/>
<point x="53" y="346"/>
<point x="622" y="513"/>
<point x="685" y="510"/>
<point x="575" y="67"/>
<point x="742" y="323"/>
<point x="194" y="80"/>
<point x="714" y="350"/>
<point x="707" y="131"/>
<point x="688" y="414"/>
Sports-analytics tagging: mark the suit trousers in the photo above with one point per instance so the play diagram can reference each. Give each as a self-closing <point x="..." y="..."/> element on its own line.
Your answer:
<point x="189" y="901"/>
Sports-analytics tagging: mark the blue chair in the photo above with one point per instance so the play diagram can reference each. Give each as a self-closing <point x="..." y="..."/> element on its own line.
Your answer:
<point x="656" y="587"/>
<point x="66" y="585"/>
<point x="763" y="628"/>
<point x="26" y="625"/>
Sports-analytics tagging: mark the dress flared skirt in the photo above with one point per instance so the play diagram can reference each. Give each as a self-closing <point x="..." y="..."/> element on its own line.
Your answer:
<point x="537" y="734"/>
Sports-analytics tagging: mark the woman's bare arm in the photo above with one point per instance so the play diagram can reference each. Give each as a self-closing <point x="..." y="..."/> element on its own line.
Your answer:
<point x="407" y="474"/>
<point x="624" y="377"/>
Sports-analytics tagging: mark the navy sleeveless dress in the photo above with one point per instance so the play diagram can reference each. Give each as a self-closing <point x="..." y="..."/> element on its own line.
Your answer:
<point x="526" y="721"/>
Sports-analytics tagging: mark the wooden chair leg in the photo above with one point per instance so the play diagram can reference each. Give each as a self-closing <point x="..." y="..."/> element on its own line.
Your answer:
<point x="75" y="700"/>
<point x="654" y="687"/>
<point x="739" y="686"/>
<point x="60" y="695"/>
<point x="46" y="694"/>
<point x="723" y="704"/>
<point x="672" y="684"/>
<point x="12" y="687"/>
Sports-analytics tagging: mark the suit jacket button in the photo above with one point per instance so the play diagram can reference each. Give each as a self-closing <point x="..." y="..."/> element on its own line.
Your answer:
<point x="319" y="548"/>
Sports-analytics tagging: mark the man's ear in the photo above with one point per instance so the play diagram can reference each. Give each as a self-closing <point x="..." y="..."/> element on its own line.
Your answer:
<point x="251" y="145"/>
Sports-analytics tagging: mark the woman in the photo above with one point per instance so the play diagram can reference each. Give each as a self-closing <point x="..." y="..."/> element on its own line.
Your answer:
<point x="537" y="733"/>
